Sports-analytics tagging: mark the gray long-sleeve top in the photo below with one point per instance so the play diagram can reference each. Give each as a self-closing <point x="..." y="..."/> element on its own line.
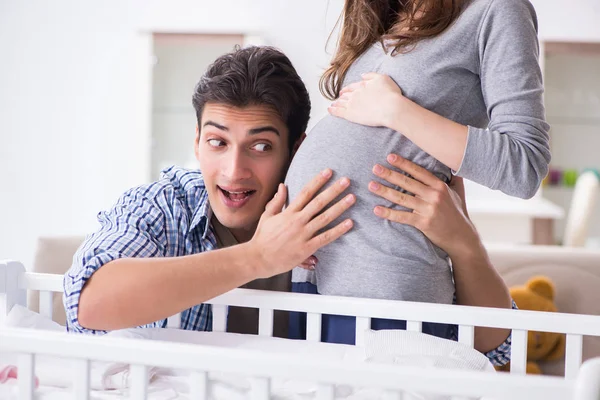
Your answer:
<point x="482" y="72"/>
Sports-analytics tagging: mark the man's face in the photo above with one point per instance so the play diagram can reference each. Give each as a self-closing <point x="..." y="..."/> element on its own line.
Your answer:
<point x="243" y="155"/>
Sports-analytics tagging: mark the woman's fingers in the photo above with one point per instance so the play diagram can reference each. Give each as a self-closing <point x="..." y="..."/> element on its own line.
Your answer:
<point x="350" y="88"/>
<point x="370" y="75"/>
<point x="399" y="198"/>
<point x="309" y="263"/>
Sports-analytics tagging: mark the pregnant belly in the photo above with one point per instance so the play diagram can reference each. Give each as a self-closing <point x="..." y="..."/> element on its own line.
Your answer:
<point x="374" y="247"/>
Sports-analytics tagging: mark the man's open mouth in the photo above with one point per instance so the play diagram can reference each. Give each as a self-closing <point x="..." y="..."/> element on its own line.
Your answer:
<point x="237" y="195"/>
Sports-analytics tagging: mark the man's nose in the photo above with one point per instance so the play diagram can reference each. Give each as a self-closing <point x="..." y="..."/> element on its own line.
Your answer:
<point x="237" y="168"/>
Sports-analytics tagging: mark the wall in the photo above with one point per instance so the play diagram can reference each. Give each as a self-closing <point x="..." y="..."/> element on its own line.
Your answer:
<point x="69" y="139"/>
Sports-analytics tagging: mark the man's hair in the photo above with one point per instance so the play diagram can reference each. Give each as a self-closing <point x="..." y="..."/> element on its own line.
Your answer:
<point x="257" y="75"/>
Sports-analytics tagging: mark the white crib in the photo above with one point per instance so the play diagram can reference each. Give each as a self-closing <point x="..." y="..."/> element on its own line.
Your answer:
<point x="580" y="382"/>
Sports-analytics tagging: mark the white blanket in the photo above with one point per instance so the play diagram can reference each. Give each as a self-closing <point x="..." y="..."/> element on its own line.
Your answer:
<point x="111" y="379"/>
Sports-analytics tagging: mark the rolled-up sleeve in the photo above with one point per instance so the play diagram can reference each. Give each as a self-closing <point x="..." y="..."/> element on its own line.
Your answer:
<point x="133" y="227"/>
<point x="513" y="154"/>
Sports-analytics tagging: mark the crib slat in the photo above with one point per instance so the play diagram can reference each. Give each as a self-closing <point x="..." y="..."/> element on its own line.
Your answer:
<point x="260" y="389"/>
<point x="46" y="300"/>
<point x="199" y="385"/>
<point x="574" y="355"/>
<point x="313" y="327"/>
<point x="466" y="335"/>
<point x="265" y="322"/>
<point x="81" y="374"/>
<point x="362" y="324"/>
<point x="392" y="395"/>
<point x="174" y="321"/>
<point x="26" y="380"/>
<point x="325" y="392"/>
<point x="414" y="326"/>
<point x="518" y="356"/>
<point x="219" y="313"/>
<point x="139" y="382"/>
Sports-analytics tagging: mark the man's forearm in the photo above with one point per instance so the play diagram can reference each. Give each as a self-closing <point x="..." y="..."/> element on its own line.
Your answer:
<point x="479" y="284"/>
<point x="136" y="291"/>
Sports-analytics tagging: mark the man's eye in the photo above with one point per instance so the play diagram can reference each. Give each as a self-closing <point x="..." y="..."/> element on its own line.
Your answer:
<point x="262" y="147"/>
<point x="215" y="142"/>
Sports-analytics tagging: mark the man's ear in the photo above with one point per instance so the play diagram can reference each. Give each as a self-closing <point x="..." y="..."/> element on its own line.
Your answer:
<point x="197" y="143"/>
<point x="298" y="143"/>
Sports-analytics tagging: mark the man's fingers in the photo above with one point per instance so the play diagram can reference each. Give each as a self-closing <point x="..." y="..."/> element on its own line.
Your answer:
<point x="405" y="182"/>
<point x="309" y="191"/>
<point x="317" y="204"/>
<point x="276" y="204"/>
<point x="401" y="217"/>
<point x="419" y="173"/>
<point x="399" y="198"/>
<point x="330" y="235"/>
<point x="331" y="214"/>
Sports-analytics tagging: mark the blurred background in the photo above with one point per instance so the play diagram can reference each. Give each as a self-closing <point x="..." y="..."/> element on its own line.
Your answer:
<point x="95" y="97"/>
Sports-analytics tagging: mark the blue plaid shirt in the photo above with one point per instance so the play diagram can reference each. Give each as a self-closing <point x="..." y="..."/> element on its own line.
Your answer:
<point x="167" y="218"/>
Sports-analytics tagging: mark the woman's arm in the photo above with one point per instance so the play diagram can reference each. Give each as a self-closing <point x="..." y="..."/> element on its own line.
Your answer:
<point x="513" y="153"/>
<point x="439" y="212"/>
<point x="378" y="101"/>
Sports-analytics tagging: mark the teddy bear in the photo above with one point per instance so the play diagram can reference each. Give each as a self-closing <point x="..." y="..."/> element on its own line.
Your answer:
<point x="538" y="295"/>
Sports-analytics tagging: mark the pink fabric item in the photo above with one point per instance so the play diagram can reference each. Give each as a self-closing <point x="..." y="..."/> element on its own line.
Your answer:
<point x="11" y="372"/>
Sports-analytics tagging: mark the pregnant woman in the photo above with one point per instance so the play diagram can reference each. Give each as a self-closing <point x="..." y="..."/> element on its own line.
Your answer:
<point x="455" y="87"/>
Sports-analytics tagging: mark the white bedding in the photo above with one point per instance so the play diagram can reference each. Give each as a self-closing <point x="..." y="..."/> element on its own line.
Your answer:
<point x="110" y="381"/>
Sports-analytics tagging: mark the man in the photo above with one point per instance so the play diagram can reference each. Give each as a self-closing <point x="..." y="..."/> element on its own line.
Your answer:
<point x="168" y="246"/>
<point x="152" y="256"/>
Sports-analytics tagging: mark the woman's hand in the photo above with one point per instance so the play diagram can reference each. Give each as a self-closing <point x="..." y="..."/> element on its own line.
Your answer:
<point x="372" y="101"/>
<point x="434" y="208"/>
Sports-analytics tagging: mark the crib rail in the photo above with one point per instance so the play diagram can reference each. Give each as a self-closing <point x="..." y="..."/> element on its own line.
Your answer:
<point x="17" y="281"/>
<point x="262" y="368"/>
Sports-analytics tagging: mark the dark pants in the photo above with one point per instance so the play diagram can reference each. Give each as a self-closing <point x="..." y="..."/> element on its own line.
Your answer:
<point x="342" y="329"/>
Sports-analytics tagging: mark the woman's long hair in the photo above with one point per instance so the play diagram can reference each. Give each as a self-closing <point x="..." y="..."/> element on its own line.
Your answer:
<point x="403" y="23"/>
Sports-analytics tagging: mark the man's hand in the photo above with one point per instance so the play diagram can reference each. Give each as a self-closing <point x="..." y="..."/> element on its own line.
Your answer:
<point x="286" y="239"/>
<point x="434" y="208"/>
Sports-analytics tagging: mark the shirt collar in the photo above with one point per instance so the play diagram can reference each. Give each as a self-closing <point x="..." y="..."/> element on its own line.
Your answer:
<point x="202" y="215"/>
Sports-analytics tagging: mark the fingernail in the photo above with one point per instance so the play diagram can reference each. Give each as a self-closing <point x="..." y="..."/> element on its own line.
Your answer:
<point x="344" y="181"/>
<point x="378" y="169"/>
<point x="348" y="223"/>
<point x="377" y="210"/>
<point x="374" y="186"/>
<point x="349" y="198"/>
<point x="392" y="158"/>
<point x="326" y="173"/>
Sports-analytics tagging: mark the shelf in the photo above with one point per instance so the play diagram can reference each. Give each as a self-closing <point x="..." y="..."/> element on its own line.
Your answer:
<point x="587" y="121"/>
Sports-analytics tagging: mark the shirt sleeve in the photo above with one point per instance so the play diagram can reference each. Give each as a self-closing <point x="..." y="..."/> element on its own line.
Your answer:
<point x="513" y="154"/>
<point x="134" y="227"/>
